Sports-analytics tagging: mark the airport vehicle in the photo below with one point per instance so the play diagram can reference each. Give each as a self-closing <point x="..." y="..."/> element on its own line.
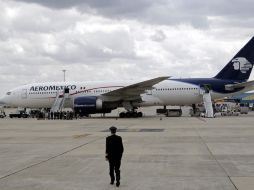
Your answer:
<point x="19" y="114"/>
<point x="87" y="98"/>
<point x="244" y="108"/>
<point x="2" y="114"/>
<point x="175" y="112"/>
<point x="33" y="113"/>
<point x="229" y="109"/>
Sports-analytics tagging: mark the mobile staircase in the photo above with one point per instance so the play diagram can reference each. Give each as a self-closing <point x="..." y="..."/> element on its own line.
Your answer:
<point x="60" y="100"/>
<point x="207" y="100"/>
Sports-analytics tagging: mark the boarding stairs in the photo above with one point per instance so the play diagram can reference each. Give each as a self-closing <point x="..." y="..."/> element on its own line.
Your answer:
<point x="208" y="104"/>
<point x="60" y="100"/>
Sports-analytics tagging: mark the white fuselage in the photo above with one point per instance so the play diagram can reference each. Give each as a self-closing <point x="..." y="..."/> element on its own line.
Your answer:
<point x="42" y="95"/>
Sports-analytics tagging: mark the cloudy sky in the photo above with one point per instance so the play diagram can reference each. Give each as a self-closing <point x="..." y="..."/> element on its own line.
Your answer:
<point x="119" y="39"/>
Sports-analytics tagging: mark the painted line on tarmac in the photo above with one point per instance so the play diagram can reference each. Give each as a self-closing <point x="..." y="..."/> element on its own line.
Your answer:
<point x="214" y="157"/>
<point x="51" y="158"/>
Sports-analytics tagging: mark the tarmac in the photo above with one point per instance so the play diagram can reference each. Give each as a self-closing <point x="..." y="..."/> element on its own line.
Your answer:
<point x="181" y="153"/>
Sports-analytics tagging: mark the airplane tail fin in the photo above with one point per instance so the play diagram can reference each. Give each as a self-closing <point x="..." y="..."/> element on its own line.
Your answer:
<point x="240" y="66"/>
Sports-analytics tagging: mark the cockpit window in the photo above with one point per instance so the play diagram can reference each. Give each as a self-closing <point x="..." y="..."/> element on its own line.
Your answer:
<point x="8" y="93"/>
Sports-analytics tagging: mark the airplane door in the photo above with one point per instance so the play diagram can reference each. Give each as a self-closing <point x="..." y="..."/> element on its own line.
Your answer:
<point x="24" y="94"/>
<point x="205" y="88"/>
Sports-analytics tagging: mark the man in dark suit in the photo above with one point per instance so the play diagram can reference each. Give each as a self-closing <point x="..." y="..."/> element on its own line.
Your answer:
<point x="114" y="152"/>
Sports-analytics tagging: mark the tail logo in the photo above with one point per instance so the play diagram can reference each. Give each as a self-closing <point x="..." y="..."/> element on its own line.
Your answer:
<point x="242" y="64"/>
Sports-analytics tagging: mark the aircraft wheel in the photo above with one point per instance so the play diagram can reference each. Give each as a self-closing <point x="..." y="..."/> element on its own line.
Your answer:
<point x="140" y="114"/>
<point x="135" y="114"/>
<point x="122" y="115"/>
<point x="128" y="114"/>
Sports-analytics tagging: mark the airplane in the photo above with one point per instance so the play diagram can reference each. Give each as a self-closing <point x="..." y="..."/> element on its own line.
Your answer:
<point x="102" y="97"/>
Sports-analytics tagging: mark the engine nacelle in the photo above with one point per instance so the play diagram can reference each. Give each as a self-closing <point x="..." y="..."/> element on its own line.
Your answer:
<point x="89" y="105"/>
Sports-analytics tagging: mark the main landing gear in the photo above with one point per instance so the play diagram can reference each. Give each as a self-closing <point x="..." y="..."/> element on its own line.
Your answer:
<point x="130" y="114"/>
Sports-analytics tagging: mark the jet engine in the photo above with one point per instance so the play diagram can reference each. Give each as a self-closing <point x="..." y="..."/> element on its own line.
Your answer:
<point x="89" y="105"/>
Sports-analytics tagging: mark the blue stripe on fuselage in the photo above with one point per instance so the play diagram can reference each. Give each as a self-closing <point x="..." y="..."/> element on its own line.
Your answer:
<point x="217" y="85"/>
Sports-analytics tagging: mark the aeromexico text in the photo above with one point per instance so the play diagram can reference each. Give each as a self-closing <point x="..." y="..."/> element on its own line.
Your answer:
<point x="52" y="87"/>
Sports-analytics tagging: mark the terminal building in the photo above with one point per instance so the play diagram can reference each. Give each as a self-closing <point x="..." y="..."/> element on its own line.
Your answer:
<point x="245" y="98"/>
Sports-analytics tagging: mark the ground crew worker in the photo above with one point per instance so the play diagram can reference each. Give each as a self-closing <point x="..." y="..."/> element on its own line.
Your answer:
<point x="114" y="152"/>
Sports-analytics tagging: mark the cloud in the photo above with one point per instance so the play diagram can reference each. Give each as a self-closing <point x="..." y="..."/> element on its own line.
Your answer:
<point x="113" y="40"/>
<point x="162" y="12"/>
<point x="158" y="36"/>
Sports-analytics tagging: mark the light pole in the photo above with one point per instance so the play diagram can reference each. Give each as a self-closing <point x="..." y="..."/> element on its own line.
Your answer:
<point x="64" y="70"/>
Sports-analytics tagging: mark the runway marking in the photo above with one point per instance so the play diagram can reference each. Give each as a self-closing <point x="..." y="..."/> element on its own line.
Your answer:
<point x="137" y="130"/>
<point x="80" y="136"/>
<point x="219" y="164"/>
<point x="51" y="158"/>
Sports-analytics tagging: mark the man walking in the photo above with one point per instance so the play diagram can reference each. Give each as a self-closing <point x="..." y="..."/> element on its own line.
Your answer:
<point x="114" y="152"/>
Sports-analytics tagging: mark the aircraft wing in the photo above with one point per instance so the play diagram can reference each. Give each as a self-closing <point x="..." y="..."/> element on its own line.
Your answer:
<point x="132" y="92"/>
<point x="239" y="85"/>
